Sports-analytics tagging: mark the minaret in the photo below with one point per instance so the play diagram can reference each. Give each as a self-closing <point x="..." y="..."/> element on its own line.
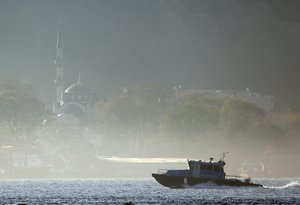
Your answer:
<point x="59" y="81"/>
<point x="79" y="79"/>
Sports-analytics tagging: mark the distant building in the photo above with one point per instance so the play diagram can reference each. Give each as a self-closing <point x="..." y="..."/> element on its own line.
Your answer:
<point x="26" y="159"/>
<point x="75" y="104"/>
<point x="19" y="161"/>
<point x="262" y="101"/>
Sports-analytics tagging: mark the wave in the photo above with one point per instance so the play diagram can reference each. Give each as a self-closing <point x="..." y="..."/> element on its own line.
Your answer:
<point x="294" y="184"/>
<point x="211" y="185"/>
<point x="208" y="185"/>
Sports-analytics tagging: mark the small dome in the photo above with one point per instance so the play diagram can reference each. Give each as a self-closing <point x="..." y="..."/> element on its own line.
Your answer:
<point x="72" y="109"/>
<point x="78" y="88"/>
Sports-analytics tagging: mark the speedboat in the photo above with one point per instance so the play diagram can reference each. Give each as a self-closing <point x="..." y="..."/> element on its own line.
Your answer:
<point x="201" y="172"/>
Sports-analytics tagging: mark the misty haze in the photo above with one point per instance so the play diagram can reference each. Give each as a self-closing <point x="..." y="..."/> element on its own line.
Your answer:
<point x="115" y="88"/>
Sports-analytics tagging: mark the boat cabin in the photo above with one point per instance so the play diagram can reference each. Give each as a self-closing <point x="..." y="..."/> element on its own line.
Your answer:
<point x="200" y="169"/>
<point x="207" y="169"/>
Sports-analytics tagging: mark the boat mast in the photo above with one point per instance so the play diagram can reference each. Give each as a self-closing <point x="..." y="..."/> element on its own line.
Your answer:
<point x="223" y="156"/>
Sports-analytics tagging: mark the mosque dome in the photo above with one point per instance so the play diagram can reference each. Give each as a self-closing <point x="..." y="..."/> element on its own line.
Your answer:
<point x="78" y="88"/>
<point x="79" y="92"/>
<point x="72" y="109"/>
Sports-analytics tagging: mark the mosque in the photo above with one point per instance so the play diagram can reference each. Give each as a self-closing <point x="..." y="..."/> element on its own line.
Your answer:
<point x="75" y="104"/>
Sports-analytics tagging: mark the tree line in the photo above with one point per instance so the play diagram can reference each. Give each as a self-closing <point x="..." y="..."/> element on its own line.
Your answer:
<point x="157" y="114"/>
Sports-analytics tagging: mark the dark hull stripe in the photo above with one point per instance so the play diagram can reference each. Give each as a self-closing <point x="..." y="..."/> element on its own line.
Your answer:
<point x="179" y="181"/>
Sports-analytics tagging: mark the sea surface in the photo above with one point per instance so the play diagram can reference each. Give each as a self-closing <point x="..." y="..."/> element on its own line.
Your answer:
<point x="143" y="191"/>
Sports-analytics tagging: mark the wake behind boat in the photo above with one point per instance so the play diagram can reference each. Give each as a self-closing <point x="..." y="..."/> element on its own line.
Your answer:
<point x="200" y="172"/>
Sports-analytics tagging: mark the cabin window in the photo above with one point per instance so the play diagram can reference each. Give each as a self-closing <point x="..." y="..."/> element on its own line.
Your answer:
<point x="216" y="168"/>
<point x="203" y="167"/>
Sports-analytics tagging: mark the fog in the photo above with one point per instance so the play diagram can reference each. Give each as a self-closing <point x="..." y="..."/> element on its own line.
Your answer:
<point x="160" y="80"/>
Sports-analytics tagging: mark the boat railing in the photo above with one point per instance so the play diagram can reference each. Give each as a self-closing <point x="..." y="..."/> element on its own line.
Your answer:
<point x="162" y="171"/>
<point x="246" y="179"/>
<point x="235" y="176"/>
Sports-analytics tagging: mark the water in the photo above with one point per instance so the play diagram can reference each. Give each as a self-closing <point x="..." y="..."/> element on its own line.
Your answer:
<point x="143" y="191"/>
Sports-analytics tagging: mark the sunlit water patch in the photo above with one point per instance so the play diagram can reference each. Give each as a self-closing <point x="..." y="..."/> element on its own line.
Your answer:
<point x="143" y="191"/>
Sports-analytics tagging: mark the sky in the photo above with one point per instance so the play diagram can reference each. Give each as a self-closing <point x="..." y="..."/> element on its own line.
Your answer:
<point x="204" y="44"/>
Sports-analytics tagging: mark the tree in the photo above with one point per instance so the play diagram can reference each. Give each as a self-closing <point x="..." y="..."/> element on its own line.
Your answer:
<point x="20" y="108"/>
<point x="237" y="115"/>
<point x="134" y="114"/>
<point x="192" y="113"/>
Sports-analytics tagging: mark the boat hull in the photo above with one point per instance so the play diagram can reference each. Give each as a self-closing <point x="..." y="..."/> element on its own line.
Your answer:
<point x="180" y="181"/>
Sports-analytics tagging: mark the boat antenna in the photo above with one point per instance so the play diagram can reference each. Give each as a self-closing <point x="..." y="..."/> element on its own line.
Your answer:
<point x="223" y="156"/>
